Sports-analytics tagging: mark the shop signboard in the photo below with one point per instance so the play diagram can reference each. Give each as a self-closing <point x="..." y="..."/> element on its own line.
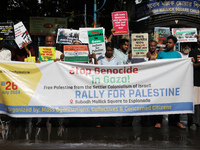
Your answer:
<point x="42" y="26"/>
<point x="154" y="7"/>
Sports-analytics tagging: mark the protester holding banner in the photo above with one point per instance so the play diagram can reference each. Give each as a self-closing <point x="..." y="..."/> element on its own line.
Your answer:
<point x="122" y="52"/>
<point x="151" y="55"/>
<point x="5" y="54"/>
<point x="108" y="58"/>
<point x="169" y="53"/>
<point x="21" y="54"/>
<point x="195" y="120"/>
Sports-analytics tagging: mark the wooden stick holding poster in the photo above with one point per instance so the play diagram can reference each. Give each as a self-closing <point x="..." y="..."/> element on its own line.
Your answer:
<point x="120" y="22"/>
<point x="96" y="41"/>
<point x="140" y="45"/>
<point x="21" y="35"/>
<point x="76" y="53"/>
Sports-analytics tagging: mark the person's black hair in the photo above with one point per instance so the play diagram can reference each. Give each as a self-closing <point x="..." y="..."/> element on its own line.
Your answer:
<point x="110" y="44"/>
<point x="173" y="38"/>
<point x="153" y="41"/>
<point x="122" y="41"/>
<point x="50" y="35"/>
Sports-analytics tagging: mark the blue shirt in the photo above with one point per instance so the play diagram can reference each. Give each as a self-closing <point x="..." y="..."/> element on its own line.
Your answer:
<point x="168" y="55"/>
<point x="102" y="60"/>
<point x="121" y="56"/>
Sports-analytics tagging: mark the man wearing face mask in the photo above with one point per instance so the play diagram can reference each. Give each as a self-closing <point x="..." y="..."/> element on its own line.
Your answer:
<point x="195" y="54"/>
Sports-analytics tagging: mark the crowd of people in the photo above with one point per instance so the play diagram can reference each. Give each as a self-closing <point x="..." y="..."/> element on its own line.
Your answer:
<point x="120" y="56"/>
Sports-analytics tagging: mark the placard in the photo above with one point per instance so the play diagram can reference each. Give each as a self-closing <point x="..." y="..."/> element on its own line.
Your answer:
<point x="120" y="22"/>
<point x="96" y="41"/>
<point x="47" y="53"/>
<point x="76" y="53"/>
<point x="66" y="36"/>
<point x="185" y="34"/>
<point x="160" y="35"/>
<point x="140" y="45"/>
<point x="21" y="35"/>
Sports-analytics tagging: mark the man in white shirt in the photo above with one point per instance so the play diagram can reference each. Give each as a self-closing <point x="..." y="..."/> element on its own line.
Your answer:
<point x="5" y="54"/>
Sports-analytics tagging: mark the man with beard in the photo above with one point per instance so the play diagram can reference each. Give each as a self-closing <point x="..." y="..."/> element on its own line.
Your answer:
<point x="185" y="50"/>
<point x="122" y="52"/>
<point x="195" y="54"/>
<point x="169" y="53"/>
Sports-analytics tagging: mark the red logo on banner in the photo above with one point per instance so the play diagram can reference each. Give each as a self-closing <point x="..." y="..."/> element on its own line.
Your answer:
<point x="71" y="101"/>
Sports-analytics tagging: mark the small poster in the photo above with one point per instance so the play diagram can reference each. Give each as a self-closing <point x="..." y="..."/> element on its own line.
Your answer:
<point x="21" y="35"/>
<point x="120" y="22"/>
<point x="140" y="45"/>
<point x="83" y="34"/>
<point x="185" y="34"/>
<point x="160" y="35"/>
<point x="96" y="41"/>
<point x="66" y="36"/>
<point x="76" y="53"/>
<point x="47" y="53"/>
<point x="7" y="31"/>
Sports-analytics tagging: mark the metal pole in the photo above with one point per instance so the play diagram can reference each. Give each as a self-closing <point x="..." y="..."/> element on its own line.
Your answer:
<point x="95" y="15"/>
<point x="85" y="16"/>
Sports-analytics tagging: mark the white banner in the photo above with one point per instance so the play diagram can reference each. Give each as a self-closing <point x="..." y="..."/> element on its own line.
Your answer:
<point x="63" y="89"/>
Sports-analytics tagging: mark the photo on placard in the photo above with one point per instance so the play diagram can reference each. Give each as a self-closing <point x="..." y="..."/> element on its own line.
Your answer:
<point x="66" y="36"/>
